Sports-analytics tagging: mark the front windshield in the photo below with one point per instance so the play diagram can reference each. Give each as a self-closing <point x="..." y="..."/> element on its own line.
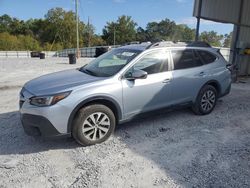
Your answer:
<point x="110" y="63"/>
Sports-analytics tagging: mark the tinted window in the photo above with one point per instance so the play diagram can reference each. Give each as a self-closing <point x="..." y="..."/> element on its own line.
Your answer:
<point x="206" y="56"/>
<point x="152" y="63"/>
<point x="184" y="59"/>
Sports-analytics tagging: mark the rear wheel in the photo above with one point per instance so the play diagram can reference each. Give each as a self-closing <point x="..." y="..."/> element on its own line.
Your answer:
<point x="205" y="101"/>
<point x="93" y="124"/>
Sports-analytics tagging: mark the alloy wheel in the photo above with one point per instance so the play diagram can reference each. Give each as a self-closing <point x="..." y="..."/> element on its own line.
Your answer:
<point x="208" y="100"/>
<point x="96" y="126"/>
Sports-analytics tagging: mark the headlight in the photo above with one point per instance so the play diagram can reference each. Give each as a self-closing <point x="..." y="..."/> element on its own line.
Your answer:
<point x="48" y="100"/>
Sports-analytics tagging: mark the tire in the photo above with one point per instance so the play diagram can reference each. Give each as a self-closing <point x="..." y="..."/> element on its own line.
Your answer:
<point x="205" y="101"/>
<point x="93" y="124"/>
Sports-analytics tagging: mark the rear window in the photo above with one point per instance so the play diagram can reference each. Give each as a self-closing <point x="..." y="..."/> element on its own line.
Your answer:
<point x="206" y="57"/>
<point x="184" y="59"/>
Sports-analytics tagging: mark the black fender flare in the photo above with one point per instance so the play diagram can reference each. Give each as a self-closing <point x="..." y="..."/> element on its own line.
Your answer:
<point x="211" y="82"/>
<point x="89" y="100"/>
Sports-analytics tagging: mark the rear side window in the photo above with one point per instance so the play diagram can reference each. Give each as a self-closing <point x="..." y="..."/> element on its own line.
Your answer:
<point x="206" y="57"/>
<point x="184" y="59"/>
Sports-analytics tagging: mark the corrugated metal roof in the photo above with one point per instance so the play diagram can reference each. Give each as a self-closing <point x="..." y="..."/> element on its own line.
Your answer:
<point x="245" y="20"/>
<point x="226" y="11"/>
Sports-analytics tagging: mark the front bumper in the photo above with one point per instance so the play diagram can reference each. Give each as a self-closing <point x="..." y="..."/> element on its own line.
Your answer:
<point x="35" y="125"/>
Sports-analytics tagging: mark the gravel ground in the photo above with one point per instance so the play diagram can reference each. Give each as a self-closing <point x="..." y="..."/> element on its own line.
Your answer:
<point x="165" y="149"/>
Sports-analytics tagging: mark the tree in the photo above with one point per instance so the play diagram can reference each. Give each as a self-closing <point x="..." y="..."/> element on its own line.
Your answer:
<point x="123" y="29"/>
<point x="52" y="47"/>
<point x="141" y="35"/>
<point x="60" y="26"/>
<point x="20" y="42"/>
<point x="8" y="42"/>
<point x="5" y="22"/>
<point x="227" y="40"/>
<point x="90" y="38"/>
<point x="97" y="40"/>
<point x="153" y="33"/>
<point x="88" y="33"/>
<point x="165" y="30"/>
<point x="28" y="43"/>
<point x="183" y="33"/>
<point x="57" y="31"/>
<point x="212" y="38"/>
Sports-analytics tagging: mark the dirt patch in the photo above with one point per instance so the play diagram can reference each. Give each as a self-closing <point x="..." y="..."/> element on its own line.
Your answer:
<point x="10" y="87"/>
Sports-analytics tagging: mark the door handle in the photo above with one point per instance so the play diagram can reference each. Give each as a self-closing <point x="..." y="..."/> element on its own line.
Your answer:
<point x="166" y="80"/>
<point x="202" y="74"/>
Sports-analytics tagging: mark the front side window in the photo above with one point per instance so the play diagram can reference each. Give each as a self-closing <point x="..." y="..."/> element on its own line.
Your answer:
<point x="184" y="59"/>
<point x="154" y="62"/>
<point x="110" y="63"/>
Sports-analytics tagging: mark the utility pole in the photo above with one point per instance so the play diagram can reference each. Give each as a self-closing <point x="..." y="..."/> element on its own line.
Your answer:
<point x="77" y="30"/>
<point x="197" y="31"/>
<point x="88" y="33"/>
<point x="114" y="35"/>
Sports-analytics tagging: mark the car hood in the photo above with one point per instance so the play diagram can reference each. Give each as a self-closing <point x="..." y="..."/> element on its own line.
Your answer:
<point x="59" y="82"/>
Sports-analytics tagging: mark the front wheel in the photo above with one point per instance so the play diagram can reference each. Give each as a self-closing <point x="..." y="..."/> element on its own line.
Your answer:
<point x="205" y="101"/>
<point x="93" y="124"/>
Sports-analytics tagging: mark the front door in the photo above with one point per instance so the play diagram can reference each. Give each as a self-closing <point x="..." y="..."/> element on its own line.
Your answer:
<point x="153" y="92"/>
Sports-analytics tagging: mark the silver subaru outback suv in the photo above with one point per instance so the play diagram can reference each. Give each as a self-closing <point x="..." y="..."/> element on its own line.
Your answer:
<point x="89" y="102"/>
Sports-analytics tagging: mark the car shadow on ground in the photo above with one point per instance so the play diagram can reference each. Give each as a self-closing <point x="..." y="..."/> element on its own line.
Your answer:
<point x="14" y="140"/>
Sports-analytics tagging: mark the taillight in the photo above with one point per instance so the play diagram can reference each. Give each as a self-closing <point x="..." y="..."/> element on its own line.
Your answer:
<point x="230" y="67"/>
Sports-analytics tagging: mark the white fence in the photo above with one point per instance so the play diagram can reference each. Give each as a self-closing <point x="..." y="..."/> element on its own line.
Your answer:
<point x="23" y="54"/>
<point x="85" y="52"/>
<point x="225" y="52"/>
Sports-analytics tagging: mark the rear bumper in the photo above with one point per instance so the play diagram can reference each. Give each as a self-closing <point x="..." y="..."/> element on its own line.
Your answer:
<point x="227" y="91"/>
<point x="35" y="125"/>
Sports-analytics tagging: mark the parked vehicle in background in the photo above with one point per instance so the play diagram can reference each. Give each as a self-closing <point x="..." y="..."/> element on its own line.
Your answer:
<point x="89" y="102"/>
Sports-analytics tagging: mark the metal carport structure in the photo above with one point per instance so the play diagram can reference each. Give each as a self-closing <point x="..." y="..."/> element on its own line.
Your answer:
<point x="236" y="12"/>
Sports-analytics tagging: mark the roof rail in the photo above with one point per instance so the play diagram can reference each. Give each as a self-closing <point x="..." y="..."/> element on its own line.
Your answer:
<point x="179" y="44"/>
<point x="132" y="42"/>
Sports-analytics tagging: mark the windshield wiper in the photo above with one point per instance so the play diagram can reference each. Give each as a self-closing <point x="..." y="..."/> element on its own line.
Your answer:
<point x="87" y="71"/>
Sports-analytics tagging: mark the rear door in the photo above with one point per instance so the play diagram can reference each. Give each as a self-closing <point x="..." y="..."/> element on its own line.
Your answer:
<point x="188" y="75"/>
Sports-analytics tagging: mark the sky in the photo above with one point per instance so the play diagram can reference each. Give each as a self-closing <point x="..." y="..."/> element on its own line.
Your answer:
<point x="102" y="11"/>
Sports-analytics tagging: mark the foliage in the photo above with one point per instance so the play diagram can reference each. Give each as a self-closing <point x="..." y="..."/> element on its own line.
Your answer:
<point x="165" y="30"/>
<point x="212" y="38"/>
<point x="20" y="42"/>
<point x="227" y="40"/>
<point x="61" y="26"/>
<point x="183" y="33"/>
<point x="57" y="31"/>
<point x="90" y="38"/>
<point x="28" y="43"/>
<point x="8" y="42"/>
<point x="123" y="29"/>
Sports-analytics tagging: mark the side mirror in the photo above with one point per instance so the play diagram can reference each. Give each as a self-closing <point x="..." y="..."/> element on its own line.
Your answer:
<point x="137" y="74"/>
